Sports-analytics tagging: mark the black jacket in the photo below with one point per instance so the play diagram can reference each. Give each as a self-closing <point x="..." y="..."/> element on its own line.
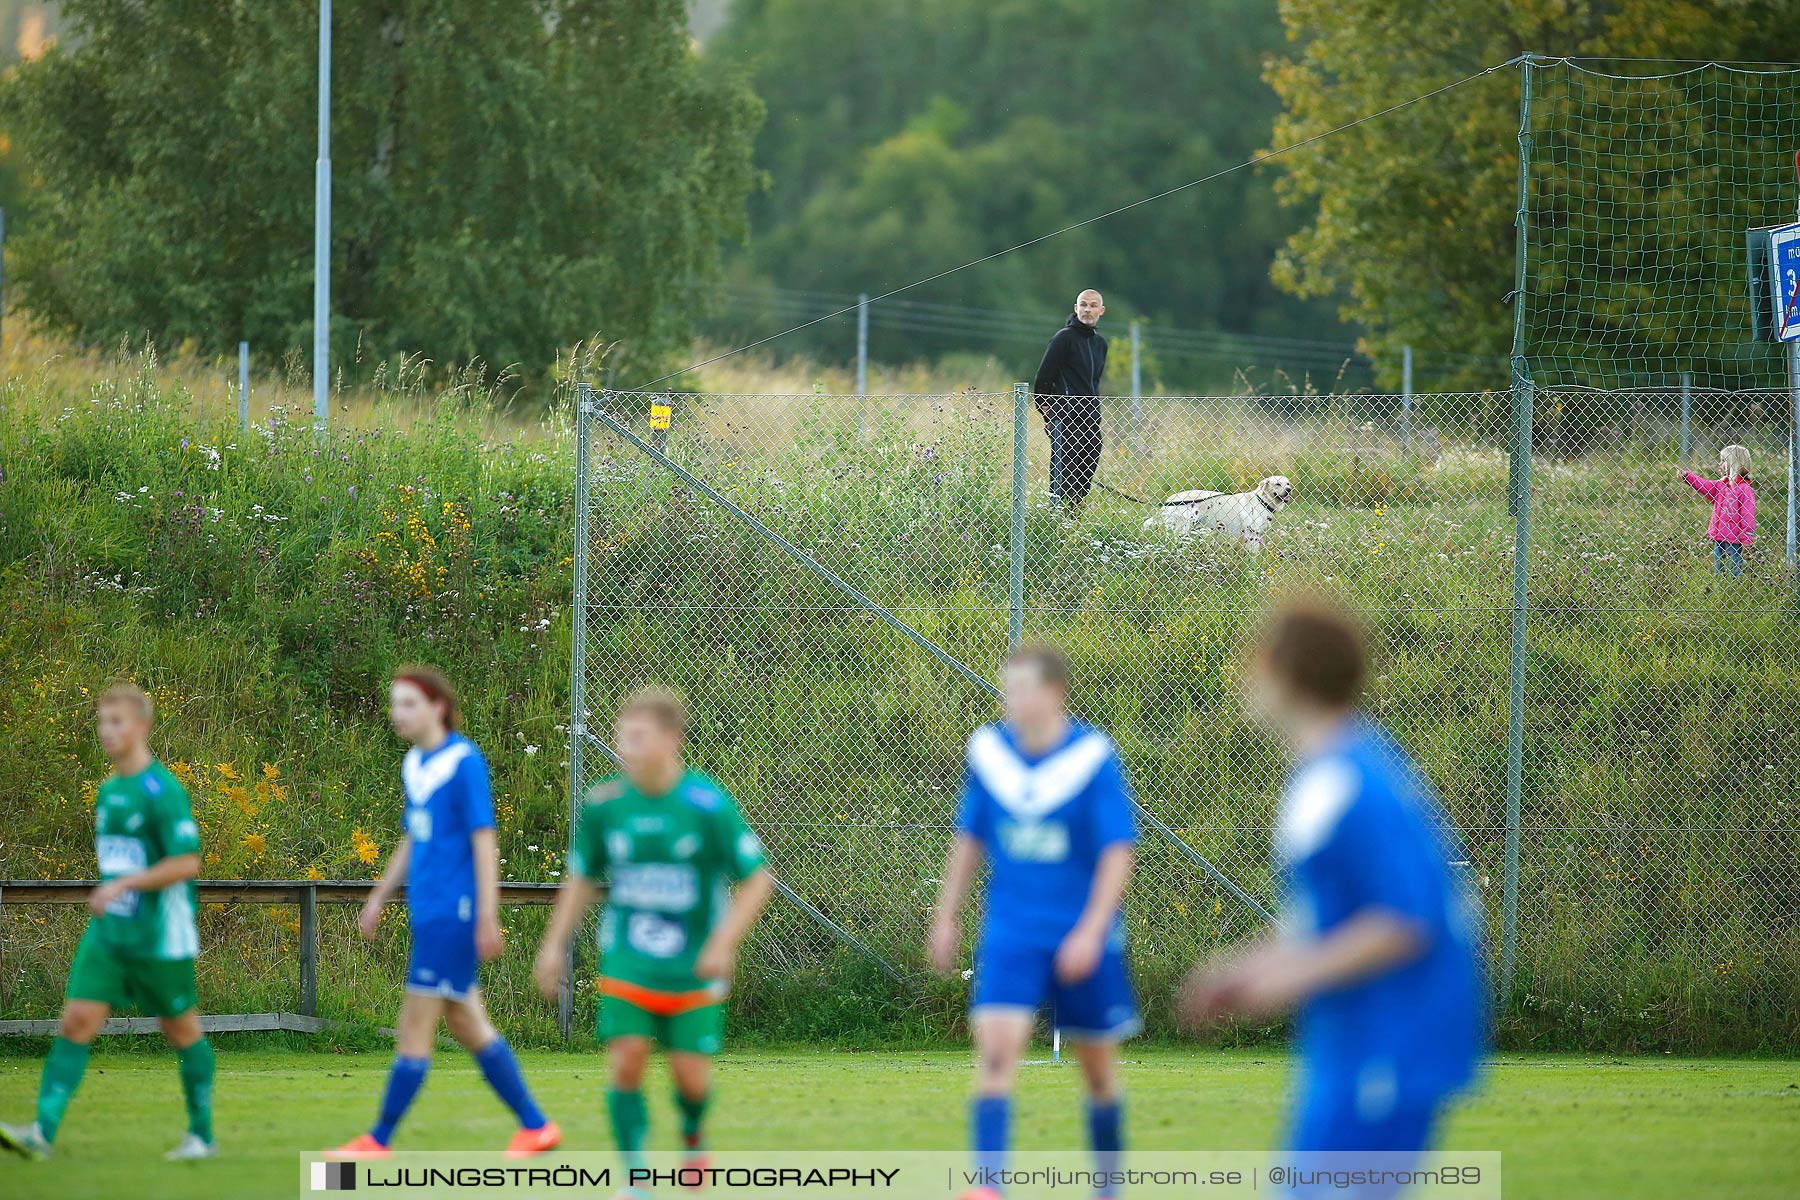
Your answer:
<point x="1073" y="365"/>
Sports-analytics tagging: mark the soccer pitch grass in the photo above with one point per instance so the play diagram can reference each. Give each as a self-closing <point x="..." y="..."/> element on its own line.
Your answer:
<point x="1568" y="1126"/>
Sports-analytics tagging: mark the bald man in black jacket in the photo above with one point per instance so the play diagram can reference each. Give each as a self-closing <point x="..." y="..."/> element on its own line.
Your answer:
<point x="1067" y="390"/>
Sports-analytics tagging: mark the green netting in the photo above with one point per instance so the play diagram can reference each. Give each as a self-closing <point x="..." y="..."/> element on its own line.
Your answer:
<point x="1639" y="188"/>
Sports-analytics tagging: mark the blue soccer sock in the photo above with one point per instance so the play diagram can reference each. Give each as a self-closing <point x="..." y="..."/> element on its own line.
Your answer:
<point x="991" y="1117"/>
<point x="1106" y="1134"/>
<point x="405" y="1078"/>
<point x="500" y="1068"/>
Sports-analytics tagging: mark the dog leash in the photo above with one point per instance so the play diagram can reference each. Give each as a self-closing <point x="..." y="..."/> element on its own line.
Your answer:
<point x="1107" y="487"/>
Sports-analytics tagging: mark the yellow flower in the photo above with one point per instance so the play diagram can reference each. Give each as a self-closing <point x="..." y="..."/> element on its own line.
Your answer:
<point x="226" y="771"/>
<point x="271" y="771"/>
<point x="315" y="873"/>
<point x="255" y="843"/>
<point x="363" y="846"/>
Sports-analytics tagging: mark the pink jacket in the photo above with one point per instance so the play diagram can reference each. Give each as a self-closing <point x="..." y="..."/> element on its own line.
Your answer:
<point x="1734" y="508"/>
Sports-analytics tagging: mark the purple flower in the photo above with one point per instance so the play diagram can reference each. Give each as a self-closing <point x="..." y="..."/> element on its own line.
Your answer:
<point x="353" y="489"/>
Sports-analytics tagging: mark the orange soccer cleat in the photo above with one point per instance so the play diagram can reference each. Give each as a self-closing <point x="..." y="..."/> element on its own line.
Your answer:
<point x="528" y="1142"/>
<point x="362" y="1146"/>
<point x="980" y="1193"/>
<point x="692" y="1174"/>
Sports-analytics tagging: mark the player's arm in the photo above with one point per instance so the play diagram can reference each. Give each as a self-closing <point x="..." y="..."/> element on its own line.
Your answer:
<point x="585" y="862"/>
<point x="177" y="837"/>
<point x="718" y="958"/>
<point x="961" y="862"/>
<point x="1279" y="973"/>
<point x="488" y="942"/>
<point x="1080" y="951"/>
<point x="572" y="902"/>
<point x="174" y="869"/>
<point x="484" y="848"/>
<point x="392" y="876"/>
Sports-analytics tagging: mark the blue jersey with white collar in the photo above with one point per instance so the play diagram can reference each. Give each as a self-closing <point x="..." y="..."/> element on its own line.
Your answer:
<point x="447" y="800"/>
<point x="1043" y="822"/>
<point x="1355" y="834"/>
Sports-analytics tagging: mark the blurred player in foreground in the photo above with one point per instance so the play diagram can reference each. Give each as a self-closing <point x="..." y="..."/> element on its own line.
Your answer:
<point x="449" y="863"/>
<point x="1045" y="799"/>
<point x="140" y="944"/>
<point x="1379" y="949"/>
<point x="668" y="842"/>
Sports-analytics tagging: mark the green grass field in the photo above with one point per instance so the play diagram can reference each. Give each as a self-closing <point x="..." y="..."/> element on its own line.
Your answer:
<point x="1568" y="1126"/>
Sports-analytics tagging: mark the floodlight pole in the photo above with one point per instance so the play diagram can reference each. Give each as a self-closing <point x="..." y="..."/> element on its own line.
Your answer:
<point x="322" y="232"/>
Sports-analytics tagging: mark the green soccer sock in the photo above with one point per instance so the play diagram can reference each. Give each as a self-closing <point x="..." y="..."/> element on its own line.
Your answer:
<point x="693" y="1112"/>
<point x="197" y="1085"/>
<point x="62" y="1075"/>
<point x="629" y="1121"/>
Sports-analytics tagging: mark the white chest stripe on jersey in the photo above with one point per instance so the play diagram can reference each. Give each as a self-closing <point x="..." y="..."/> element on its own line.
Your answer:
<point x="1312" y="808"/>
<point x="422" y="779"/>
<point x="1029" y="792"/>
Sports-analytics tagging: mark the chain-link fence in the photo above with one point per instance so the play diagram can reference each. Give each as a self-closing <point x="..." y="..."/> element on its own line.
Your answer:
<point x="833" y="581"/>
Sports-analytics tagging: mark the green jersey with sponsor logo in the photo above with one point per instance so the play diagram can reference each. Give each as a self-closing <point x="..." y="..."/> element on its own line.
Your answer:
<point x="668" y="862"/>
<point x="139" y="820"/>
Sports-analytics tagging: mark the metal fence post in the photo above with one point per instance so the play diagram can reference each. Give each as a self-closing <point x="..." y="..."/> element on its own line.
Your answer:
<point x="584" y="398"/>
<point x="244" y="385"/>
<point x="1406" y="397"/>
<point x="1793" y="480"/>
<point x="1687" y="402"/>
<point x="1015" y="629"/>
<point x="1137" y="382"/>
<point x="309" y="951"/>
<point x="862" y="344"/>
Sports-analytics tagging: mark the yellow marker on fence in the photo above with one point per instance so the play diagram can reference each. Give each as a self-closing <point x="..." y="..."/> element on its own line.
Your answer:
<point x="659" y="416"/>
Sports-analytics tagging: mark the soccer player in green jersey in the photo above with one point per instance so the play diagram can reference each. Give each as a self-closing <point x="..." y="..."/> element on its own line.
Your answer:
<point x="139" y="947"/>
<point x="668" y="842"/>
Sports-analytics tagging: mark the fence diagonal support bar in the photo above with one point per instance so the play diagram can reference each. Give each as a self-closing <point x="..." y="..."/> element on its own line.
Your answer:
<point x="868" y="603"/>
<point x="795" y="898"/>
<point x="864" y="601"/>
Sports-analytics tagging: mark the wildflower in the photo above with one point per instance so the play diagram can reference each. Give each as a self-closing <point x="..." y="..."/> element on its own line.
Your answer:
<point x="255" y="843"/>
<point x="363" y="846"/>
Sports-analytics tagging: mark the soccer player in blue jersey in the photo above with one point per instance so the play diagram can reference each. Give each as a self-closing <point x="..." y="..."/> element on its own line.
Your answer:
<point x="449" y="863"/>
<point x="1045" y="801"/>
<point x="1379" y="949"/>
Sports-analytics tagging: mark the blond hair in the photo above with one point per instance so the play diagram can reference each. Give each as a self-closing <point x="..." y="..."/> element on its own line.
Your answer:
<point x="659" y="704"/>
<point x="1737" y="462"/>
<point x="123" y="691"/>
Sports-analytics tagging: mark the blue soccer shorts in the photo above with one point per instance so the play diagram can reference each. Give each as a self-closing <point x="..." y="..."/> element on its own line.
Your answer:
<point x="1337" y="1135"/>
<point x="443" y="960"/>
<point x="1022" y="977"/>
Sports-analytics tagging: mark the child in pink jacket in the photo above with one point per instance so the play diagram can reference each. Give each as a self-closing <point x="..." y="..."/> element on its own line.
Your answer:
<point x="1733" y="521"/>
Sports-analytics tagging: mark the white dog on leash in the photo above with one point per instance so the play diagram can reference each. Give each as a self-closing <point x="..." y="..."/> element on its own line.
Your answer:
<point x="1243" y="515"/>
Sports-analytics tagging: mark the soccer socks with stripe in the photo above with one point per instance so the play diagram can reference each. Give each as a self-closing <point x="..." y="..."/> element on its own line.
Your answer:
<point x="629" y="1121"/>
<point x="693" y="1112"/>
<point x="991" y="1117"/>
<point x="501" y="1069"/>
<point x="63" y="1070"/>
<point x="196" y="1062"/>
<point x="405" y="1078"/>
<point x="1106" y="1134"/>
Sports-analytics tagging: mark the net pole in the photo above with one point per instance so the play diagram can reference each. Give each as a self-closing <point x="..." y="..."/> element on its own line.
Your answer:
<point x="1519" y="500"/>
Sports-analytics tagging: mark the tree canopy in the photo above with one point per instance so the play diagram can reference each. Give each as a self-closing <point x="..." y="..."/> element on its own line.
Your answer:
<point x="509" y="176"/>
<point x="905" y="136"/>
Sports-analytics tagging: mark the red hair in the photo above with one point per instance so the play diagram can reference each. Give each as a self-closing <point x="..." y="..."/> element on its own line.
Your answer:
<point x="436" y="688"/>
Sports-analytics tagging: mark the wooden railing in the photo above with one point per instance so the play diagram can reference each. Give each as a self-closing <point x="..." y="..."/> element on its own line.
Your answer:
<point x="307" y="893"/>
